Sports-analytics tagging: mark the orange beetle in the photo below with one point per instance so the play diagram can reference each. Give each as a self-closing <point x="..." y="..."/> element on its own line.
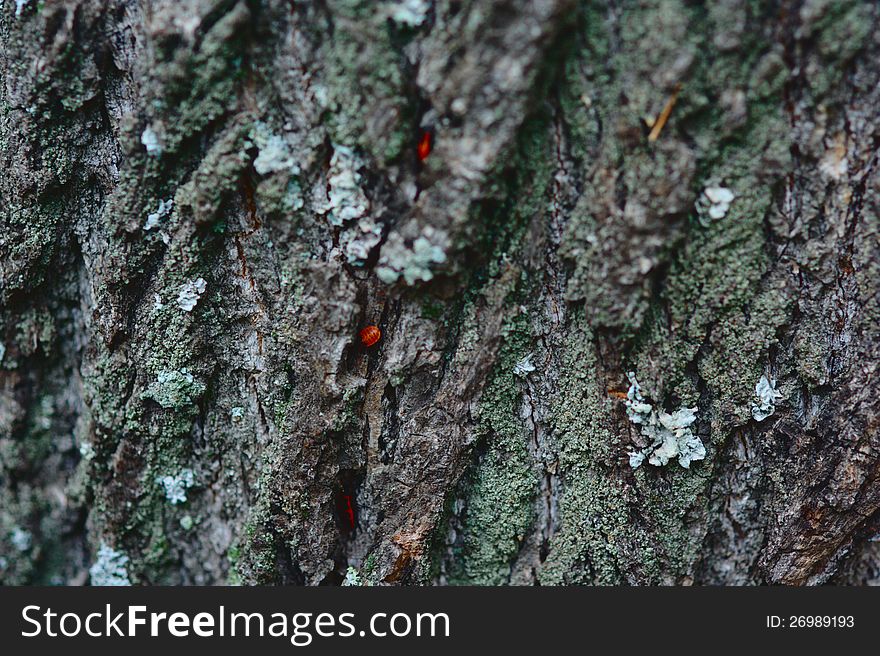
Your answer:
<point x="370" y="336"/>
<point x="424" y="147"/>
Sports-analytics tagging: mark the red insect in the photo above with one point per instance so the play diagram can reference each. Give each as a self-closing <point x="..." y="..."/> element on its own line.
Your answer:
<point x="370" y="336"/>
<point x="424" y="147"/>
<point x="349" y="510"/>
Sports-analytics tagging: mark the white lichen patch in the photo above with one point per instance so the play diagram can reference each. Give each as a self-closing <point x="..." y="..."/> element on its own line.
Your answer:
<point x="714" y="203"/>
<point x="409" y="12"/>
<point x="86" y="450"/>
<point x="637" y="409"/>
<point x="352" y="577"/>
<point x="766" y="398"/>
<point x="161" y="212"/>
<point x="189" y="294"/>
<point x="834" y="163"/>
<point x="186" y="522"/>
<point x="21" y="539"/>
<point x="109" y="568"/>
<point x="412" y="264"/>
<point x="2" y="351"/>
<point x="346" y="201"/>
<point x="274" y="155"/>
<point x="294" y="200"/>
<point x="236" y="414"/>
<point x="670" y="435"/>
<point x="345" y="204"/>
<point x="360" y="240"/>
<point x="151" y="142"/>
<point x="321" y="95"/>
<point x="524" y="367"/>
<point x="176" y="485"/>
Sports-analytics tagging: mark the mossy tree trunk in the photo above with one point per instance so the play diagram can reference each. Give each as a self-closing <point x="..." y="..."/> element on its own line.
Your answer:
<point x="204" y="201"/>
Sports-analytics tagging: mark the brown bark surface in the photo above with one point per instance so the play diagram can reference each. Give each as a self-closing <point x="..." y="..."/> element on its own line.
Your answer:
<point x="205" y="201"/>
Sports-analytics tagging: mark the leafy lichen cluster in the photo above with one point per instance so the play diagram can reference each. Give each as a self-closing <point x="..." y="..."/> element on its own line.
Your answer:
<point x="670" y="435"/>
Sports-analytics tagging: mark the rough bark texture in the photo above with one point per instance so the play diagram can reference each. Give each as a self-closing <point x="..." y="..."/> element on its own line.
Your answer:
<point x="183" y="395"/>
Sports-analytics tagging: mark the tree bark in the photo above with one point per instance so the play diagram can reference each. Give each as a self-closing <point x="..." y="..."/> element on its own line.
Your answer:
<point x="205" y="201"/>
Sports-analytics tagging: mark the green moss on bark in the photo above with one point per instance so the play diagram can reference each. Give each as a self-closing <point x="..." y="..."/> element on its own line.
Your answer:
<point x="499" y="509"/>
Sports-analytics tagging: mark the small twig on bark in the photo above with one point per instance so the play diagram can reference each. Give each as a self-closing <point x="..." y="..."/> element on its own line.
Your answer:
<point x="664" y="114"/>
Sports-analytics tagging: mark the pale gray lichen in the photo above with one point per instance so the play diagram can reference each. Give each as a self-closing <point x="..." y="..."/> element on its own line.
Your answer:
<point x="294" y="200"/>
<point x="412" y="264"/>
<point x="636" y="458"/>
<point x="274" y="152"/>
<point x="86" y="450"/>
<point x="359" y="241"/>
<point x="151" y="142"/>
<point x="176" y="485"/>
<point x="236" y="414"/>
<point x="637" y="409"/>
<point x="346" y="201"/>
<point x="174" y="389"/>
<point x="714" y="203"/>
<point x="409" y="12"/>
<point x="163" y="210"/>
<point x="2" y="351"/>
<point x="766" y="397"/>
<point x="189" y="294"/>
<point x="109" y="568"/>
<point x="21" y="539"/>
<point x="321" y="95"/>
<point x="352" y="577"/>
<point x="669" y="435"/>
<point x="524" y="367"/>
<point x="186" y="522"/>
<point x="345" y="204"/>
